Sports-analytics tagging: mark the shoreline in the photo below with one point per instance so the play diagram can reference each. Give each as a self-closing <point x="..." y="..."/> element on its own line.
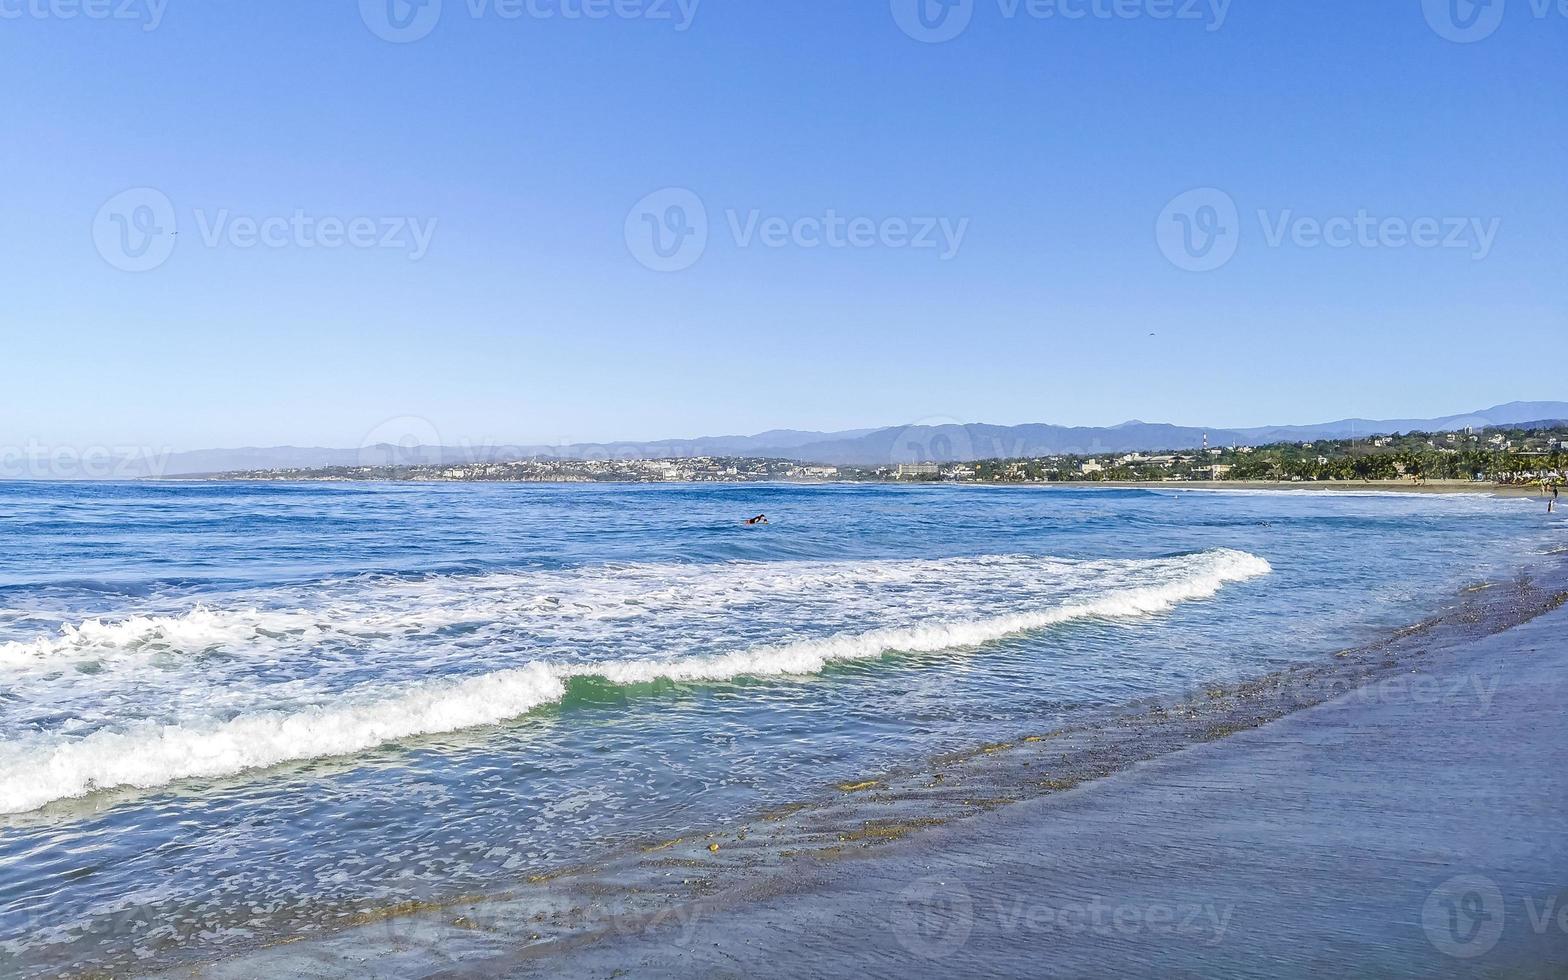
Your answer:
<point x="1375" y="486"/>
<point x="1458" y="487"/>
<point x="1410" y="828"/>
<point x="623" y="897"/>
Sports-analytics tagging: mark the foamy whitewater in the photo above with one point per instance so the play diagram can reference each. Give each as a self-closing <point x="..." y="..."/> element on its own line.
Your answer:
<point x="190" y="741"/>
<point x="235" y="711"/>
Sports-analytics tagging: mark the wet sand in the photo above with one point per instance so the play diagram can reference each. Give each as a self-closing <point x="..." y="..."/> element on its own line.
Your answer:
<point x="1365" y="837"/>
<point x="1393" y="810"/>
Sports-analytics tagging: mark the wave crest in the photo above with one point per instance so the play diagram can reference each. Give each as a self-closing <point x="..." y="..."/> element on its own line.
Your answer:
<point x="38" y="770"/>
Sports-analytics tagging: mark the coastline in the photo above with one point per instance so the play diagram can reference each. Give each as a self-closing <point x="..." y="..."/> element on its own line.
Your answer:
<point x="645" y="904"/>
<point x="1457" y="487"/>
<point x="1373" y="486"/>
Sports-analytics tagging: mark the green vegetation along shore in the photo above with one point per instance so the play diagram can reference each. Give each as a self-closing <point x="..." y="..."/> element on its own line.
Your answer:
<point x="1506" y="457"/>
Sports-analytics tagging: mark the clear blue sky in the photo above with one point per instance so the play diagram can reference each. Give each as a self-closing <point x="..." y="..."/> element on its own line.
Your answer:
<point x="529" y="140"/>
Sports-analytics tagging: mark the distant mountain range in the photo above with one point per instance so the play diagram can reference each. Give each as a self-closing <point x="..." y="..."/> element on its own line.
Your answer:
<point x="896" y="444"/>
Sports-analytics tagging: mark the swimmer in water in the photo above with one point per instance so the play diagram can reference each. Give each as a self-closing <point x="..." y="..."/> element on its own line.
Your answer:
<point x="759" y="519"/>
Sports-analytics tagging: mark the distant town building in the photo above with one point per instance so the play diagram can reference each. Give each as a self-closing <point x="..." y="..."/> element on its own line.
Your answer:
<point x="908" y="471"/>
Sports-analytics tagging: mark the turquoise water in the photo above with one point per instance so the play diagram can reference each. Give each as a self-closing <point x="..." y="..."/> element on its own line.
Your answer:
<point x="234" y="712"/>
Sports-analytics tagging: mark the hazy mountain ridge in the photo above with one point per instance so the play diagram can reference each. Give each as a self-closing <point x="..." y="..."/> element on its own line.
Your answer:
<point x="895" y="444"/>
<point x="957" y="443"/>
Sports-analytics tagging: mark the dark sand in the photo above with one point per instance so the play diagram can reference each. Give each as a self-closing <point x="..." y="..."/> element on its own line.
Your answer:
<point x="1396" y="810"/>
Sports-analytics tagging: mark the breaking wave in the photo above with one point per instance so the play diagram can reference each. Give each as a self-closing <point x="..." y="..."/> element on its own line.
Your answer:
<point x="202" y="739"/>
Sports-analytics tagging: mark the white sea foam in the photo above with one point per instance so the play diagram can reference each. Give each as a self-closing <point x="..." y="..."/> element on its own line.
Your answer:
<point x="32" y="774"/>
<point x="62" y="763"/>
<point x="194" y="631"/>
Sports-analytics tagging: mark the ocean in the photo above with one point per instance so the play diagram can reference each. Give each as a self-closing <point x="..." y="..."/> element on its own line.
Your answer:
<point x="236" y="713"/>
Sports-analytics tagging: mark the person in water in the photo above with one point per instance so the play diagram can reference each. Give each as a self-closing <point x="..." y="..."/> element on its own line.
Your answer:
<point x="759" y="519"/>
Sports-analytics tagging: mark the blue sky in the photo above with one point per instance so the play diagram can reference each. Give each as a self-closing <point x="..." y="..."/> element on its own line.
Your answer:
<point x="522" y="146"/>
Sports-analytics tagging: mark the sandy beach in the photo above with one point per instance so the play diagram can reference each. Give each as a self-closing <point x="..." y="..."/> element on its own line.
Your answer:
<point x="1391" y="811"/>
